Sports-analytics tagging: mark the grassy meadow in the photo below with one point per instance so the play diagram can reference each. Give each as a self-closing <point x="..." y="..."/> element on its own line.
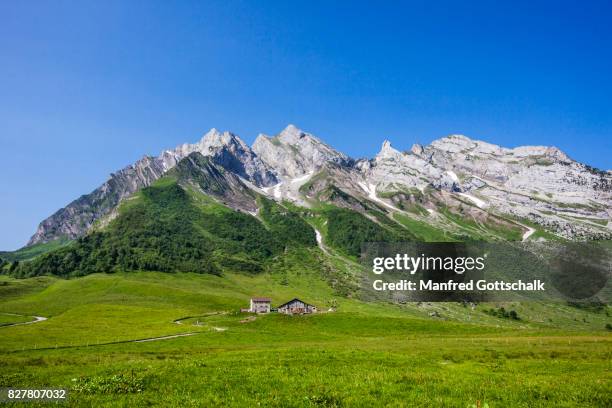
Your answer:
<point x="362" y="355"/>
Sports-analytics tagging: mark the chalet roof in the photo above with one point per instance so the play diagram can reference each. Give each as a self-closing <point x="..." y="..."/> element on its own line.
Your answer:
<point x="293" y="300"/>
<point x="261" y="299"/>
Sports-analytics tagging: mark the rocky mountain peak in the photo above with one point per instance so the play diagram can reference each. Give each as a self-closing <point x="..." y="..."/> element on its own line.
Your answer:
<point x="453" y="143"/>
<point x="291" y="134"/>
<point x="557" y="154"/>
<point x="215" y="139"/>
<point x="463" y="145"/>
<point x="457" y="136"/>
<point x="212" y="136"/>
<point x="387" y="151"/>
<point x="417" y="149"/>
<point x="227" y="150"/>
<point x="294" y="152"/>
<point x="213" y="132"/>
<point x="392" y="167"/>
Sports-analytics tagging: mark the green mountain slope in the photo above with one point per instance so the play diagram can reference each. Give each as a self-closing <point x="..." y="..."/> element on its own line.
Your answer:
<point x="32" y="251"/>
<point x="172" y="226"/>
<point x="347" y="230"/>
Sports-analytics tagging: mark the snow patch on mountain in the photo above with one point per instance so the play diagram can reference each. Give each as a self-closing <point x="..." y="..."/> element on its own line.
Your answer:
<point x="480" y="203"/>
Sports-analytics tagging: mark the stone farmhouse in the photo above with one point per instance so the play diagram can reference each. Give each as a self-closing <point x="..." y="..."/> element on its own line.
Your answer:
<point x="260" y="305"/>
<point x="294" y="306"/>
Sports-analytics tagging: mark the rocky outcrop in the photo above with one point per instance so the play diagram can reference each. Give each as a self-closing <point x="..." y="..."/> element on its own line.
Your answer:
<point x="230" y="152"/>
<point x="392" y="168"/>
<point x="214" y="180"/>
<point x="77" y="217"/>
<point x="293" y="153"/>
<point x="538" y="183"/>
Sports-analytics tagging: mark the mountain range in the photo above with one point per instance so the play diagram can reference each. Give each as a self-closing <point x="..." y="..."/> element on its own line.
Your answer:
<point x="455" y="184"/>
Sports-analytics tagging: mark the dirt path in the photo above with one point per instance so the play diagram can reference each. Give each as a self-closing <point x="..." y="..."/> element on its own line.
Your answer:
<point x="109" y="343"/>
<point x="36" y="320"/>
<point x="173" y="336"/>
<point x="180" y="319"/>
<point x="527" y="233"/>
<point x="148" y="339"/>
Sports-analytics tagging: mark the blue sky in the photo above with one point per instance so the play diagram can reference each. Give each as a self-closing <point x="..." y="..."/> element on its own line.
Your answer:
<point x="88" y="88"/>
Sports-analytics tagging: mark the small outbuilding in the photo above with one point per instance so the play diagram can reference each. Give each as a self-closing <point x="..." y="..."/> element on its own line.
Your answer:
<point x="296" y="306"/>
<point x="260" y="305"/>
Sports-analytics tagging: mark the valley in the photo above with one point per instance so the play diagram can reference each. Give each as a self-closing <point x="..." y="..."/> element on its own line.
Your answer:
<point x="361" y="354"/>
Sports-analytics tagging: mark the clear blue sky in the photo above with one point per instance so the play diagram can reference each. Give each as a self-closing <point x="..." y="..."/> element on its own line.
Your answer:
<point x="88" y="87"/>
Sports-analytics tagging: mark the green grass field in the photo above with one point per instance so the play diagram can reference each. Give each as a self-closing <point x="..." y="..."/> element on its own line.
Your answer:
<point x="364" y="354"/>
<point x="7" y="319"/>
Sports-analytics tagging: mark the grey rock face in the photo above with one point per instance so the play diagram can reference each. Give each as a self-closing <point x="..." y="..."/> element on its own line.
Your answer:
<point x="293" y="153"/>
<point x="391" y="168"/>
<point x="530" y="170"/>
<point x="77" y="217"/>
<point x="538" y="183"/>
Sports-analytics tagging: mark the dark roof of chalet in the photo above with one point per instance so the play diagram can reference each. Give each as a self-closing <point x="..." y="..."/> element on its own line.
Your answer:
<point x="294" y="299"/>
<point x="261" y="299"/>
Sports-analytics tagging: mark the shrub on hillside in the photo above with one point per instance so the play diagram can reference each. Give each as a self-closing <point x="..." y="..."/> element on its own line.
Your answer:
<point x="503" y="313"/>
